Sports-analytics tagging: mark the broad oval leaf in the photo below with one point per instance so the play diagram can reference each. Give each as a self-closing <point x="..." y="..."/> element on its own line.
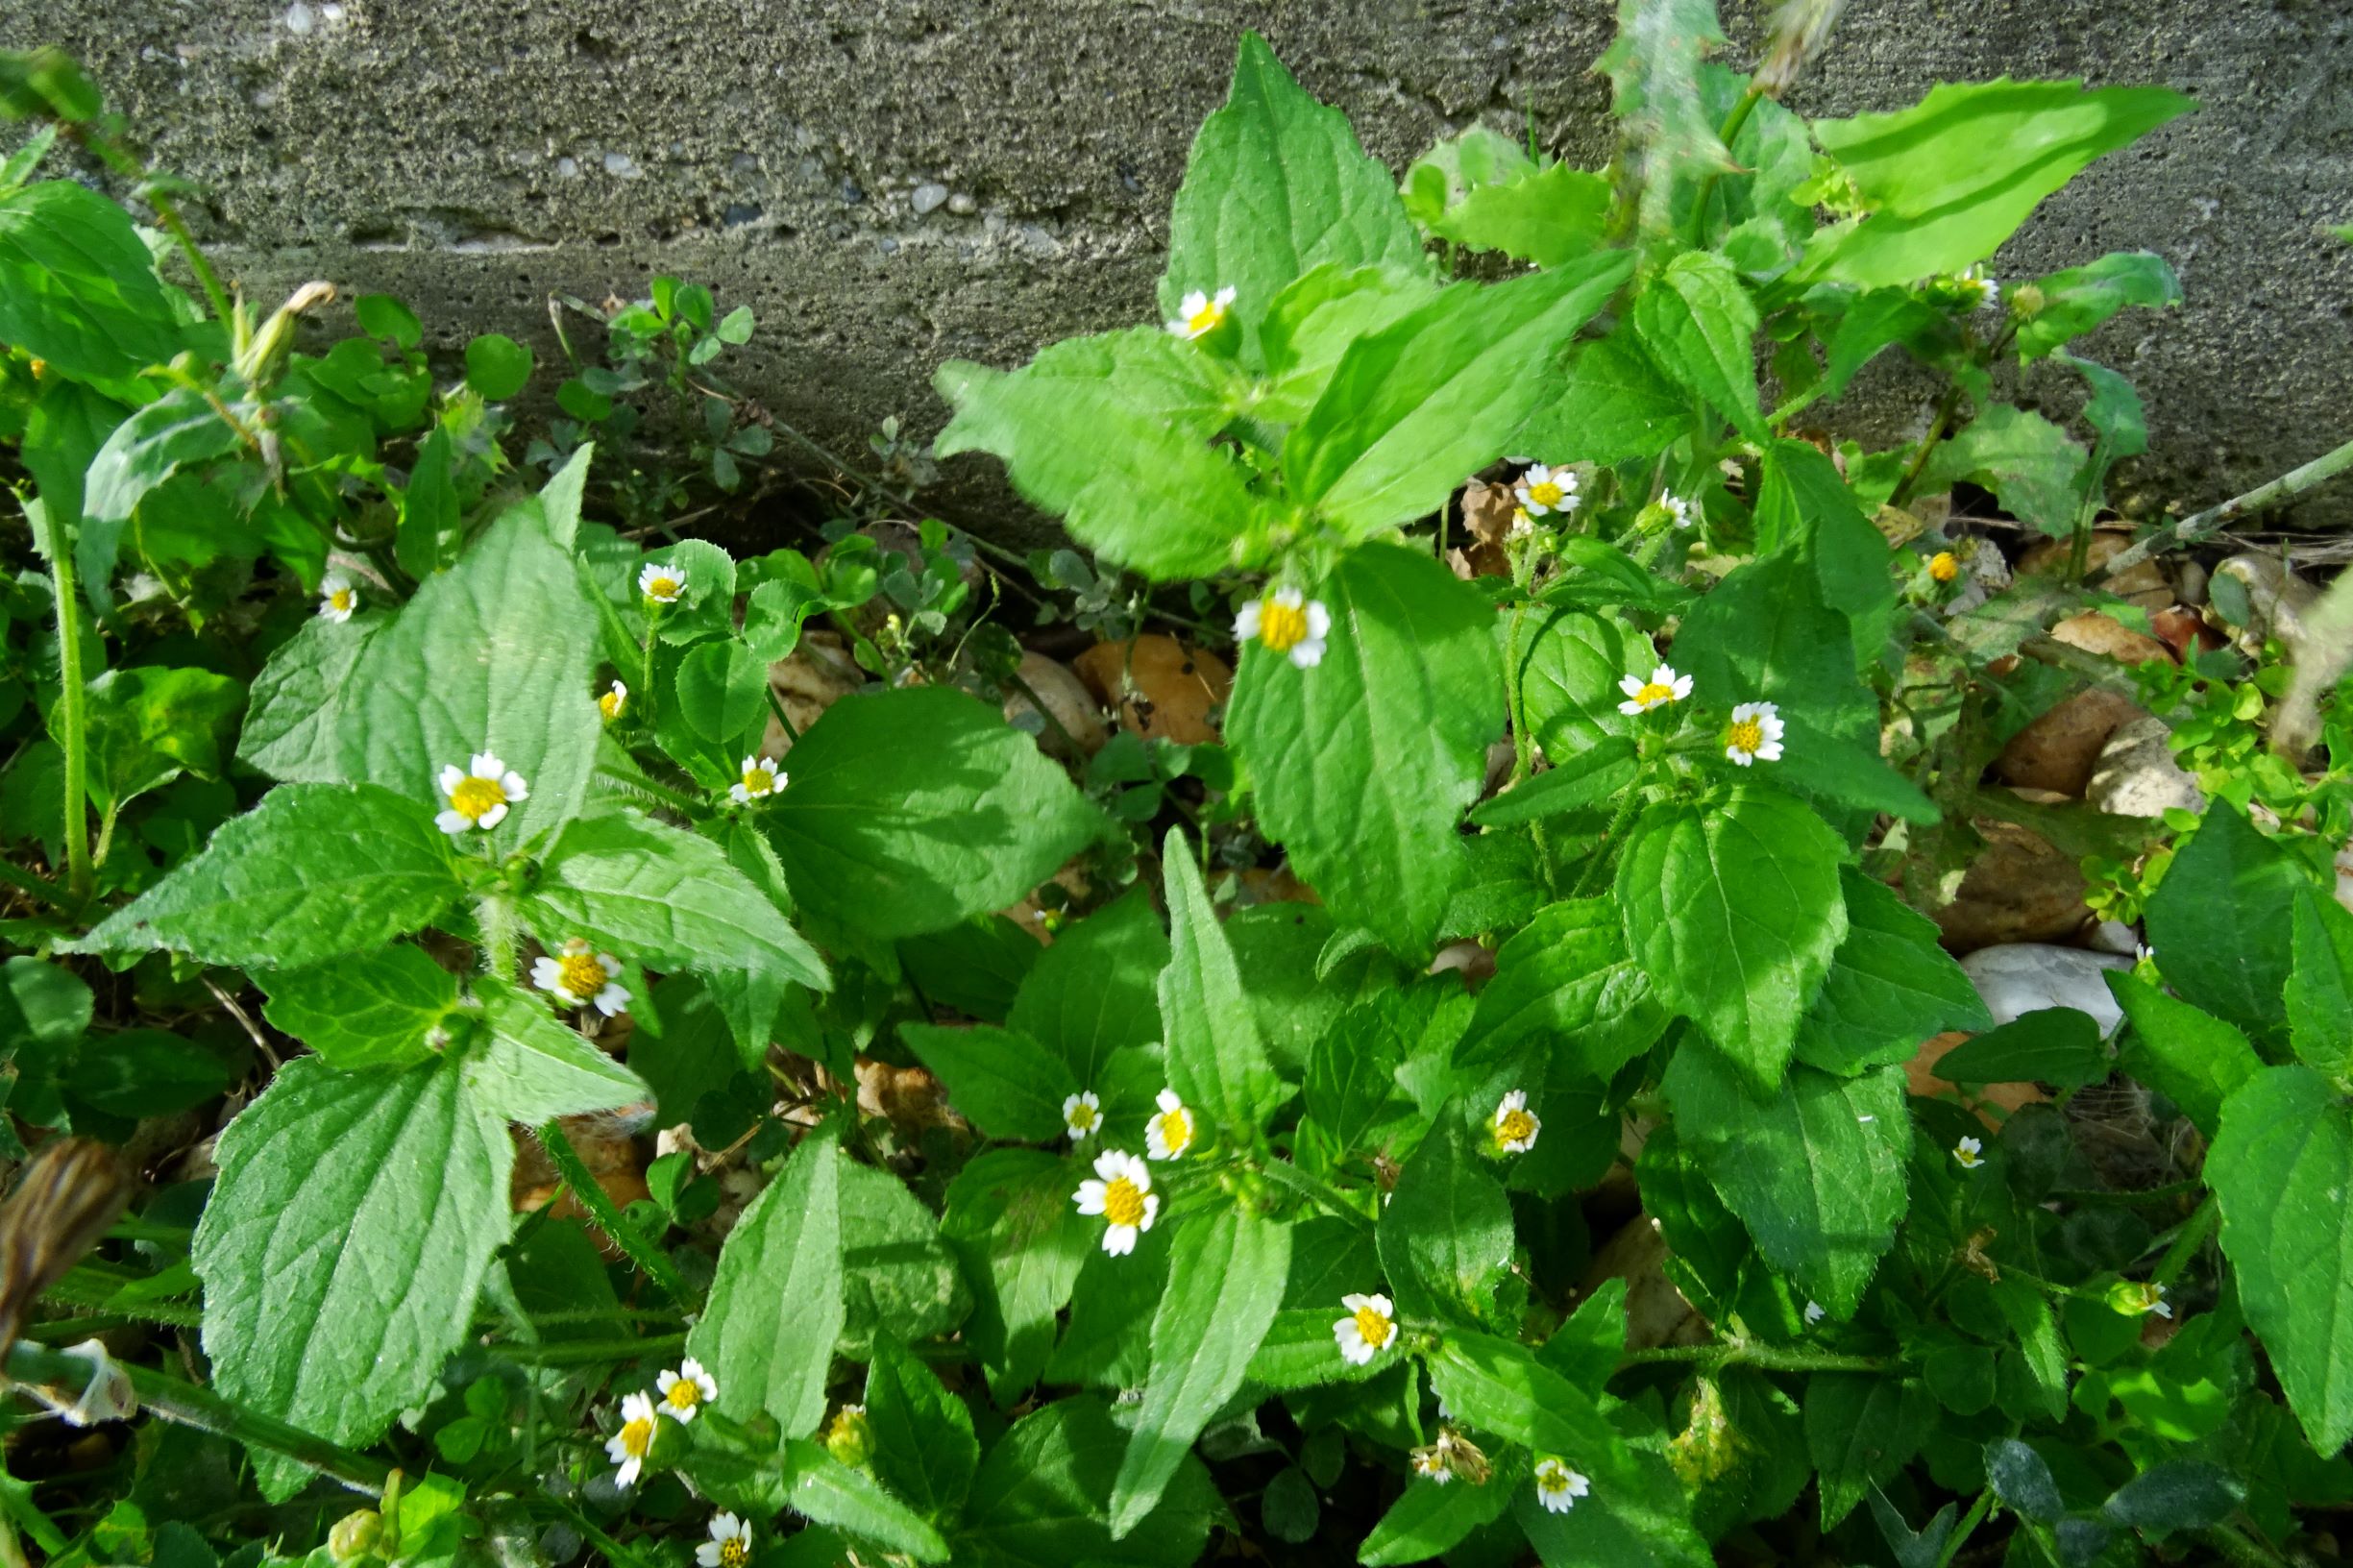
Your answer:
<point x="1217" y="1057"/>
<point x="77" y="285"/>
<point x="1699" y="326"/>
<point x="776" y="1309"/>
<point x="365" y="1010"/>
<point x="181" y="427"/>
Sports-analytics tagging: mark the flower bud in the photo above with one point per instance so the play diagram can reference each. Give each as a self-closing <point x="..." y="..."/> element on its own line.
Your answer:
<point x="354" y="1536"/>
<point x="2026" y="301"/>
<point x="850" y="1438"/>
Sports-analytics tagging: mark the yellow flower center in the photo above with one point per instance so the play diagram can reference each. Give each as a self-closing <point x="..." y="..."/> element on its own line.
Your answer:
<point x="1515" y="1126"/>
<point x="609" y="704"/>
<point x="473" y="797"/>
<point x="637" y="1438"/>
<point x="682" y="1394"/>
<point x="1282" y="626"/>
<point x="1122" y="1202"/>
<point x="758" y="781"/>
<point x="1945" y="567"/>
<point x="1545" y="493"/>
<point x="1653" y="694"/>
<point x="663" y="588"/>
<point x="1747" y="735"/>
<point x="339" y="600"/>
<point x="1176" y="1130"/>
<point x="1206" y="319"/>
<point x="734" y="1551"/>
<point x="1082" y="1116"/>
<point x="1375" y="1328"/>
<point x="583" y="976"/>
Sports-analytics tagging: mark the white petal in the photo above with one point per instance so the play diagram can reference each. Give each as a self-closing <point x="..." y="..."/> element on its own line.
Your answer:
<point x="493" y="817"/>
<point x="1630" y="708"/>
<point x="451" y="777"/>
<point x="486" y="764"/>
<point x="1151" y="1209"/>
<point x="1089" y="1197"/>
<point x="1320" y="620"/>
<point x="513" y="787"/>
<point x="1736" y="754"/>
<point x="1226" y="295"/>
<point x="1120" y="1239"/>
<point x="1771" y="750"/>
<point x="1111" y="1165"/>
<point x="1167" y="1099"/>
<point x="1246" y="623"/>
<point x="1631" y="685"/>
<point x="1308" y="652"/>
<point x="451" y="822"/>
<point x="611" y="1000"/>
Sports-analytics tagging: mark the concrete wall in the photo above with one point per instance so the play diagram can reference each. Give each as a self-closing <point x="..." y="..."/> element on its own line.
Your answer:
<point x="892" y="182"/>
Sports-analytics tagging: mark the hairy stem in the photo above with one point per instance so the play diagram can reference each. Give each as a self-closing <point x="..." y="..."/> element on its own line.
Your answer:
<point x="1315" y="1189"/>
<point x="2199" y="526"/>
<point x="601" y="1213"/>
<point x="1764" y="1358"/>
<point x="72" y="716"/>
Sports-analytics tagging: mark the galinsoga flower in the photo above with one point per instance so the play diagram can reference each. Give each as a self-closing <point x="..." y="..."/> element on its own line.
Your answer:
<point x="1544" y="491"/>
<point x="479" y="793"/>
<point x="1755" y="735"/>
<point x="1370" y="1327"/>
<point x="1082" y="1114"/>
<point x="760" y="780"/>
<point x="1452" y="1455"/>
<point x="1523" y="526"/>
<point x="686" y="1391"/>
<point x="1557" y="1486"/>
<point x="1663" y="687"/>
<point x="730" y="1545"/>
<point x="580" y="977"/>
<point x="1287" y="621"/>
<point x="1976" y="289"/>
<point x="1814" y="1313"/>
<point x="1944" y="565"/>
<point x="1170" y="1131"/>
<point x="1198" y="314"/>
<point x="614" y="702"/>
<point x="2130" y="1297"/>
<point x="1434" y="1463"/>
<point x="1680" y="512"/>
<point x="1123" y="1196"/>
<point x="1515" y="1125"/>
<point x="1970" y="1152"/>
<point x="628" y="1446"/>
<point x="848" y="1437"/>
<point x="338" y="597"/>
<point x="661" y="583"/>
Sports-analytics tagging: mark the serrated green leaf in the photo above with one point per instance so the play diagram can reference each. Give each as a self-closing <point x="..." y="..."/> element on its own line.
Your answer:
<point x="2196" y="1058"/>
<point x="830" y="1492"/>
<point x="1734" y="913"/>
<point x="532" y="1069"/>
<point x="1860" y="1427"/>
<point x="1445" y="1234"/>
<point x="2053" y="1045"/>
<point x="1364" y="764"/>
<point x="1226" y="1275"/>
<point x="1818" y="1173"/>
<point x="1890" y="986"/>
<point x="1429" y="1518"/>
<point x="1312" y="321"/>
<point x="775" y="1306"/>
<point x="366" y="1009"/>
<point x="910" y="810"/>
<point x="897" y="1272"/>
<point x="1440" y="393"/>
<point x="1096" y="990"/>
<point x="181" y="427"/>
<point x="1567" y="980"/>
<point x="1570" y="663"/>
<point x="343" y="1244"/>
<point x="1042" y="1497"/>
<point x="2222" y="921"/>
<point x="1614" y="404"/>
<point x="1548" y="216"/>
<point x="1010" y="1220"/>
<point x="923" y="1445"/>
<point x="1216" y="1057"/>
<point x="2319" y="989"/>
<point x="430" y="526"/>
<point x="295" y="706"/>
<point x="1499" y="1386"/>
<point x="2080" y="298"/>
<point x="313" y="872"/>
<point x="77" y="287"/>
<point x="1699" y="326"/>
<point x="1005" y="1083"/>
<point x="1578" y="782"/>
<point x="2030" y="464"/>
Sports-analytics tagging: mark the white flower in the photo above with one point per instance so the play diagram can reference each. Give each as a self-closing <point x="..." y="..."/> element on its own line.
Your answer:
<point x="1198" y="314"/>
<point x="1288" y="622"/>
<point x="1370" y="1327"/>
<point x="1814" y="1313"/>
<point x="339" y="597"/>
<point x="1663" y="687"/>
<point x="1544" y="491"/>
<point x="730" y="1545"/>
<point x="628" y="1446"/>
<point x="686" y="1391"/>
<point x="1435" y="1463"/>
<point x="661" y="583"/>
<point x="2142" y="1298"/>
<point x="480" y="794"/>
<point x="1515" y="1125"/>
<point x="1681" y="512"/>
<point x="760" y="780"/>
<point x="1083" y="1115"/>
<point x="1557" y="1486"/>
<point x="1170" y="1133"/>
<point x="580" y="977"/>
<point x="614" y="702"/>
<point x="1977" y="289"/>
<point x="1970" y="1152"/>
<point x="1123" y="1197"/>
<point x="1755" y="734"/>
<point x="1523" y="526"/>
<point x="2144" y="954"/>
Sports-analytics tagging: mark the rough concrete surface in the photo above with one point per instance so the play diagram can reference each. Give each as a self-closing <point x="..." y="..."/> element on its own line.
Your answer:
<point x="892" y="183"/>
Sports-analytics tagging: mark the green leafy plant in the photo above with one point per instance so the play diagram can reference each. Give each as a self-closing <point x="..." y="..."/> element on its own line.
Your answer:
<point x="463" y="835"/>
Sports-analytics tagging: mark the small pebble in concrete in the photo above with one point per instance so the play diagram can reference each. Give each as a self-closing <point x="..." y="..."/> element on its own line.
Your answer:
<point x="2022" y="977"/>
<point x="929" y="198"/>
<point x="963" y="205"/>
<point x="567" y="168"/>
<point x="621" y="166"/>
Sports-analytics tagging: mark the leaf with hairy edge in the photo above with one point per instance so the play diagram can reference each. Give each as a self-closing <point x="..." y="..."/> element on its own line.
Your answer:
<point x="1699" y="325"/>
<point x="1096" y="990"/>
<point x="365" y="1010"/>
<point x="1445" y="1234"/>
<point x="493" y="656"/>
<point x="923" y="1445"/>
<point x="1430" y="1517"/>
<point x="295" y="708"/>
<point x="832" y="1493"/>
<point x="1501" y="1387"/>
<point x="1953" y="176"/>
<point x="1111" y="432"/>
<point x="313" y="872"/>
<point x="532" y="1069"/>
<point x="1217" y="1059"/>
<point x="1889" y="986"/>
<point x="1860" y="1428"/>
<point x="2030" y="464"/>
<point x="1567" y="980"/>
<point x="177" y="428"/>
<point x="1275" y="184"/>
<point x="2194" y="1059"/>
<point x="1570" y="664"/>
<point x="775" y="1306"/>
<point x="1818" y="1173"/>
<point x="77" y="285"/>
<point x="2319" y="989"/>
<point x="1364" y="764"/>
<point x="1644" y="1522"/>
<point x="911" y="810"/>
<point x="1614" y="404"/>
<point x="342" y="1247"/>
<point x="2223" y="920"/>
<point x="1734" y="913"/>
<point x="1010" y="1220"/>
<point x="2080" y="298"/>
<point x="1226" y="1274"/>
<point x="2280" y="1168"/>
<point x="668" y="898"/>
<point x="1041" y="1499"/>
<point x="1005" y="1083"/>
<point x="1440" y="393"/>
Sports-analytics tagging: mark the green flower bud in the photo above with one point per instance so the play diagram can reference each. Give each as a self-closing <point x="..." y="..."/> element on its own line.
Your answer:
<point x="354" y="1536"/>
<point x="850" y="1438"/>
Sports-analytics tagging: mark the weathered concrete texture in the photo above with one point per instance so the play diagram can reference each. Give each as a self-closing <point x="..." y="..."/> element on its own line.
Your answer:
<point x="892" y="183"/>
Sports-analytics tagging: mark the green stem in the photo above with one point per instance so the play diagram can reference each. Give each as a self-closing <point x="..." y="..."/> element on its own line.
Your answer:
<point x="1946" y="407"/>
<point x="2190" y="529"/>
<point x="495" y="914"/>
<point x="205" y="277"/>
<point x="590" y="1352"/>
<point x="602" y="1214"/>
<point x="1764" y="1358"/>
<point x="792" y="731"/>
<point x="1732" y="122"/>
<point x="1628" y="804"/>
<point x="73" y="720"/>
<point x="1967" y="1528"/>
<point x="31" y="886"/>
<point x="2187" y="1240"/>
<point x="190" y="1404"/>
<point x="1317" y="1191"/>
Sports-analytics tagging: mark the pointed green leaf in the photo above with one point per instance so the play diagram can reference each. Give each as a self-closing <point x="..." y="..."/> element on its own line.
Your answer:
<point x="2320" y="992"/>
<point x="77" y="285"/>
<point x="775" y="1306"/>
<point x="1860" y="1427"/>
<point x="1042" y="1497"/>
<point x="294" y="709"/>
<point x="2196" y="1058"/>
<point x="1500" y="1385"/>
<point x="1216" y="1057"/>
<point x="1096" y="990"/>
<point x="366" y="1009"/>
<point x="1430" y="1517"/>
<point x="1699" y="325"/>
<point x="830" y="1492"/>
<point x="1644" y="1523"/>
<point x="1445" y="1233"/>
<point x="1004" y="1083"/>
<point x="1889" y="989"/>
<point x="1011" y="1222"/>
<point x="1613" y="404"/>
<point x="532" y="1069"/>
<point x="1578" y="782"/>
<point x="181" y="427"/>
<point x="2224" y="921"/>
<point x="923" y="1445"/>
<point x="1567" y="980"/>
